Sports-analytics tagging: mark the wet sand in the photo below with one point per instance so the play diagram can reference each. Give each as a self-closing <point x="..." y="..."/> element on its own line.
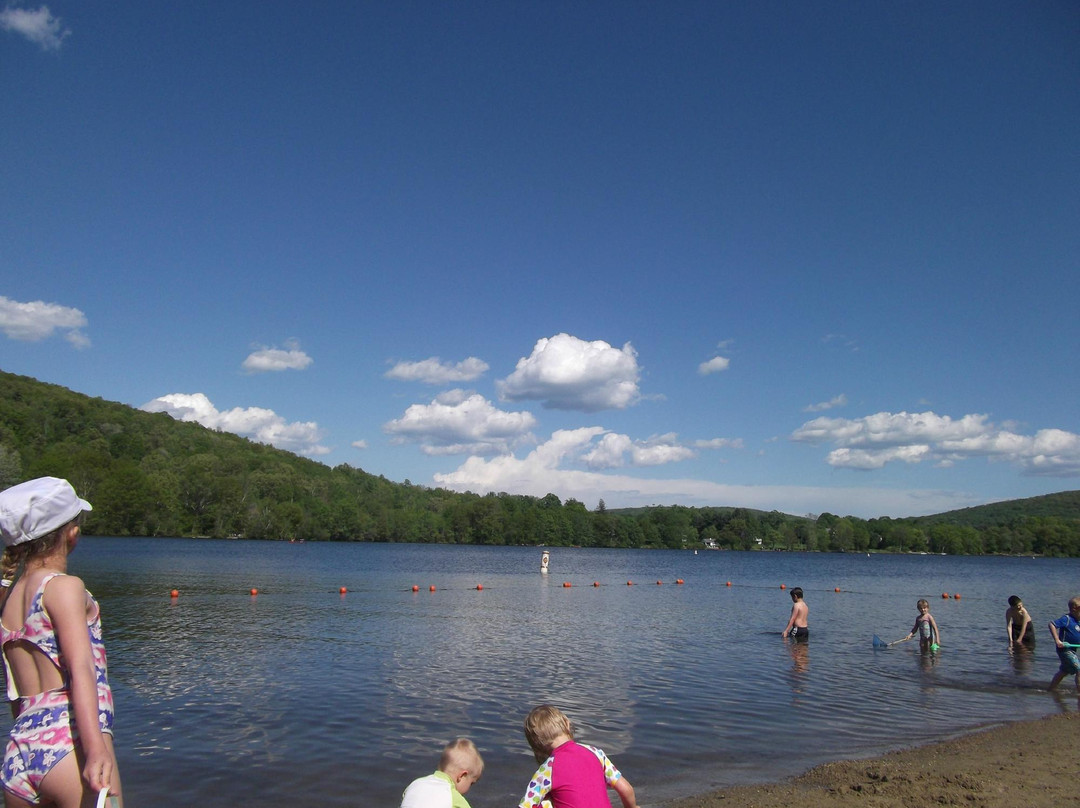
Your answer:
<point x="1030" y="764"/>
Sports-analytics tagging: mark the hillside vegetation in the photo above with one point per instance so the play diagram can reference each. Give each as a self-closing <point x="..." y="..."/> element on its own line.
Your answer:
<point x="149" y="475"/>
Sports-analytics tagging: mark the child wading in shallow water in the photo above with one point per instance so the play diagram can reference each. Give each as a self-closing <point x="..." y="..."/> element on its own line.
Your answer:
<point x="797" y="625"/>
<point x="1018" y="623"/>
<point x="60" y="750"/>
<point x="926" y="627"/>
<point x="1066" y="633"/>
<point x="571" y="775"/>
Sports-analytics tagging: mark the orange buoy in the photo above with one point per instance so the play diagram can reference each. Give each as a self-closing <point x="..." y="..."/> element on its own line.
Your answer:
<point x="679" y="581"/>
<point x="431" y="588"/>
<point x="566" y="584"/>
<point x="415" y="588"/>
<point x="479" y="587"/>
<point x="175" y="593"/>
<point x="783" y="586"/>
<point x="596" y="583"/>
<point x="945" y="594"/>
<point x="659" y="583"/>
<point x="729" y="583"/>
<point x="957" y="596"/>
<point x="343" y="590"/>
<point x="629" y="583"/>
<point x="836" y="589"/>
<point x="254" y="591"/>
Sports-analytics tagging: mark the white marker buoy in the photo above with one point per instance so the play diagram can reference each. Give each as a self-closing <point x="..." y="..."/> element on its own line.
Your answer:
<point x="545" y="559"/>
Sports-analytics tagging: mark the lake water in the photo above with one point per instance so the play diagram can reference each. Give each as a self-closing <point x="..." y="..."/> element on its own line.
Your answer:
<point x="304" y="695"/>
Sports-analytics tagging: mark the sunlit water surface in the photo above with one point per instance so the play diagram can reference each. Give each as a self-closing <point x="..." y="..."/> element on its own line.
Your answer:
<point x="304" y="695"/>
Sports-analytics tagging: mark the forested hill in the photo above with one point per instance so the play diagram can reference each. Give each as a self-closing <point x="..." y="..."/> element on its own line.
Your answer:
<point x="1065" y="505"/>
<point x="149" y="475"/>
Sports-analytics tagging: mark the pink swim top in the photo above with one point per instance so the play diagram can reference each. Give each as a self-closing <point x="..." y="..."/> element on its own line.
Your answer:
<point x="575" y="776"/>
<point x="38" y="631"/>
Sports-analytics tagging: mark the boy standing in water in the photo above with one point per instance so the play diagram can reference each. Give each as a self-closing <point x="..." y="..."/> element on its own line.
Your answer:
<point x="1018" y="623"/>
<point x="1066" y="629"/>
<point x="797" y="623"/>
<point x="459" y="768"/>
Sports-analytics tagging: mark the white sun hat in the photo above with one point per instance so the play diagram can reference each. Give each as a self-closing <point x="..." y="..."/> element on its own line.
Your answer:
<point x="35" y="508"/>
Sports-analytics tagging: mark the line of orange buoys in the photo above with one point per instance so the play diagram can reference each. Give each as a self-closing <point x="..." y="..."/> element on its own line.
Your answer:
<point x="175" y="593"/>
<point x="344" y="590"/>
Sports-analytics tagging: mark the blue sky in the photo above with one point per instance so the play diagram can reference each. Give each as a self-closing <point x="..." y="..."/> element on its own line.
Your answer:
<point x="783" y="255"/>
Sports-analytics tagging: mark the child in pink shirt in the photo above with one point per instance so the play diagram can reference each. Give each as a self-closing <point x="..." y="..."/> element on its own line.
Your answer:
<point x="571" y="775"/>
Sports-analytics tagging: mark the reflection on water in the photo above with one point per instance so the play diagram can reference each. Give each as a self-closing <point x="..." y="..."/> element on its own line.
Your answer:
<point x="302" y="694"/>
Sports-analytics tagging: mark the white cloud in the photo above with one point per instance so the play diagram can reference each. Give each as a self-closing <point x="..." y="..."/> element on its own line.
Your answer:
<point x="542" y="472"/>
<point x="435" y="371"/>
<point x="38" y="320"/>
<point x="567" y="373"/>
<point x="266" y="359"/>
<point x="359" y="444"/>
<point x="460" y="422"/>
<point x="875" y="440"/>
<point x="40" y="26"/>
<point x="719" y="443"/>
<point x="714" y="365"/>
<point x="838" y="401"/>
<point x="262" y="425"/>
<point x="612" y="449"/>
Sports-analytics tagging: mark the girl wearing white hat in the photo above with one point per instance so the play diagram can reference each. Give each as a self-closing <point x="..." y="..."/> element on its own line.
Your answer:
<point x="50" y="634"/>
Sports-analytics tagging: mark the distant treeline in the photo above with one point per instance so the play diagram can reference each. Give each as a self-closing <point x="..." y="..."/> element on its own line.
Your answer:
<point x="149" y="475"/>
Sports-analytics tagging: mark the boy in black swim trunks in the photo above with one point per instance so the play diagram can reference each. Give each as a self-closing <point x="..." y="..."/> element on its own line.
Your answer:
<point x="796" y="625"/>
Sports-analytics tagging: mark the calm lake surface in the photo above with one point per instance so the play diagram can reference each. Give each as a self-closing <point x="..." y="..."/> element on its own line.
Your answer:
<point x="306" y="695"/>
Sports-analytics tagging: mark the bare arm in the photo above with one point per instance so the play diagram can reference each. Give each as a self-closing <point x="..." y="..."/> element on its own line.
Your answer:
<point x="1054" y="634"/>
<point x="1009" y="624"/>
<point x="914" y="629"/>
<point x="65" y="600"/>
<point x="626" y="792"/>
<point x="790" y="623"/>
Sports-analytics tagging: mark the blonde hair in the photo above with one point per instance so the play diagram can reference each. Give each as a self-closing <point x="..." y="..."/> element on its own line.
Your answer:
<point x="543" y="725"/>
<point x="461" y="755"/>
<point x="21" y="553"/>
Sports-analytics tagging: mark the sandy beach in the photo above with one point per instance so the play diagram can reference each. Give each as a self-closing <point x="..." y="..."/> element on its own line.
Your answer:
<point x="1029" y="763"/>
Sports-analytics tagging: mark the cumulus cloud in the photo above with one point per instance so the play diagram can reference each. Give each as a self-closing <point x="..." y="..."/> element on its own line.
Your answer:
<point x="821" y="406"/>
<point x="38" y="320"/>
<point x="460" y="422"/>
<point x="567" y="373"/>
<point x="262" y="425"/>
<point x="434" y="371"/>
<point x="40" y="26"/>
<point x="714" y="365"/>
<point x="615" y="451"/>
<point x="875" y="440"/>
<point x="359" y="444"/>
<point x="545" y="470"/>
<point x="267" y="359"/>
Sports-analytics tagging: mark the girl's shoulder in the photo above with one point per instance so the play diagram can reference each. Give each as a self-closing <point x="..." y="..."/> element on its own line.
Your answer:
<point x="59" y="589"/>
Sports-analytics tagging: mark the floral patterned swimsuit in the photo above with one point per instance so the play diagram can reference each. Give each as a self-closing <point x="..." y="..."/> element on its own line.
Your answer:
<point x="44" y="731"/>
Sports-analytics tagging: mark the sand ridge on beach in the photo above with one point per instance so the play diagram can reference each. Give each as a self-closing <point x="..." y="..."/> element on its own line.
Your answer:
<point x="1026" y="764"/>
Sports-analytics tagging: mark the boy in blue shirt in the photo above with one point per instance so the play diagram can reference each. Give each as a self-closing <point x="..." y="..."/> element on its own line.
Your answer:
<point x="1066" y="632"/>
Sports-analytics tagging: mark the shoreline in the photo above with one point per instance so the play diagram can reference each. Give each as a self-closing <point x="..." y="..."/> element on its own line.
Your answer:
<point x="1030" y="763"/>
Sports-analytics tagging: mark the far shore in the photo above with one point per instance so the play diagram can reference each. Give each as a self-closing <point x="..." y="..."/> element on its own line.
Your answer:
<point x="1026" y="763"/>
